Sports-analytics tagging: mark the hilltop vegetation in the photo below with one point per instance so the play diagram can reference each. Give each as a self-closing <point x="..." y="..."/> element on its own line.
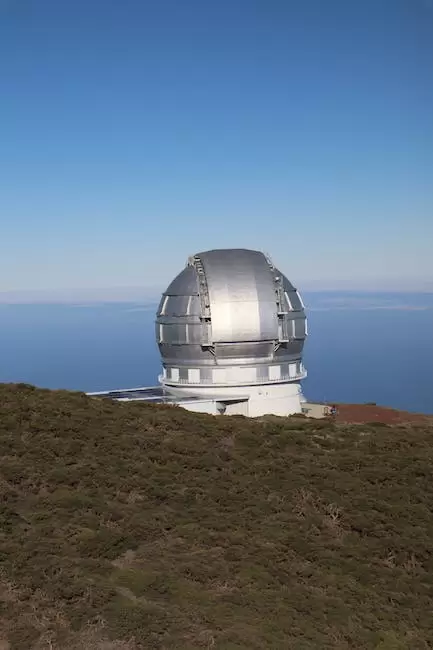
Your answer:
<point x="127" y="526"/>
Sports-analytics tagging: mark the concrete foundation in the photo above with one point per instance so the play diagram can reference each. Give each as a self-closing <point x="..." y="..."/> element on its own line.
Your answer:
<point x="254" y="401"/>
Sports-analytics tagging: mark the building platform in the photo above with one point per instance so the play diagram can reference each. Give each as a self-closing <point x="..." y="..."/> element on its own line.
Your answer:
<point x="160" y="395"/>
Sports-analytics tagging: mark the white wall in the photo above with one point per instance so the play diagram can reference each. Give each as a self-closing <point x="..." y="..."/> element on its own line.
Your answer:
<point x="237" y="408"/>
<point x="202" y="406"/>
<point x="276" y="399"/>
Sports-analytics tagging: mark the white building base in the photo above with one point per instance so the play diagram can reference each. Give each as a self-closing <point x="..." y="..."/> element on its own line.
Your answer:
<point x="252" y="401"/>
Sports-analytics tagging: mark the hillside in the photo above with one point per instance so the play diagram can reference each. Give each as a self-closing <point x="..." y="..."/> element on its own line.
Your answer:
<point x="128" y="526"/>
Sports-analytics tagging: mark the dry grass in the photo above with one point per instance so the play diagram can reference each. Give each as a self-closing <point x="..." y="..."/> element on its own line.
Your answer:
<point x="127" y="526"/>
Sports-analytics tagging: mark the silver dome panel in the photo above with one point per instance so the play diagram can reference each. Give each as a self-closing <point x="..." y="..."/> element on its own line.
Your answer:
<point x="242" y="296"/>
<point x="230" y="308"/>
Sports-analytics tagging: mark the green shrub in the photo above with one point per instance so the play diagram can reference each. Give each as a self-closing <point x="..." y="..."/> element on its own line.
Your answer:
<point x="167" y="529"/>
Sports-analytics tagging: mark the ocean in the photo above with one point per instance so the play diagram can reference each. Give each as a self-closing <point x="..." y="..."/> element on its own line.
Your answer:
<point x="362" y="347"/>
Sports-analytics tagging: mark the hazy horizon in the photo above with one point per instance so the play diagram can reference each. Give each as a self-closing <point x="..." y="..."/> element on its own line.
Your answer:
<point x="361" y="347"/>
<point x="146" y="294"/>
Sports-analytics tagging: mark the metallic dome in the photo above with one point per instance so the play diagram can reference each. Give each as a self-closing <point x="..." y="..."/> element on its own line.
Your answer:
<point x="230" y="318"/>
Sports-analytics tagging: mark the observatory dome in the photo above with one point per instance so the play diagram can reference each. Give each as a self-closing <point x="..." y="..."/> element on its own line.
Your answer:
<point x="230" y="319"/>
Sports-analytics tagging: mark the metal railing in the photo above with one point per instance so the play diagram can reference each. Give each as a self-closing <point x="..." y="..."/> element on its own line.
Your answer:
<point x="259" y="382"/>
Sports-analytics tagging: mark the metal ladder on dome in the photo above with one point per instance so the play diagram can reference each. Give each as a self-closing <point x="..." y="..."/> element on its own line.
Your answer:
<point x="282" y="313"/>
<point x="204" y="302"/>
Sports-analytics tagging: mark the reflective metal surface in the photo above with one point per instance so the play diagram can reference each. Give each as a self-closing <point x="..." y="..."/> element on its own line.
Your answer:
<point x="230" y="308"/>
<point x="157" y="394"/>
<point x="242" y="296"/>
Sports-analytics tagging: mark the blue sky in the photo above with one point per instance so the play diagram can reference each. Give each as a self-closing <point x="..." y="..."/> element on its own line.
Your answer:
<point x="134" y="133"/>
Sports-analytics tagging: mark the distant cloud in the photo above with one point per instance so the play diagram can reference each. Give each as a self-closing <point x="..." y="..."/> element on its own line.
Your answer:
<point x="323" y="301"/>
<point x="370" y="285"/>
<point x="149" y="307"/>
<point x="145" y="298"/>
<point x="352" y="307"/>
<point x="82" y="297"/>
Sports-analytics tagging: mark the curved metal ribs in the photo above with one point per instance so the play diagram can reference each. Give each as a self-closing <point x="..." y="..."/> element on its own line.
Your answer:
<point x="205" y="315"/>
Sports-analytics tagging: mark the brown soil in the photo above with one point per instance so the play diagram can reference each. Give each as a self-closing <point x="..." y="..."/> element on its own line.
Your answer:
<point x="362" y="413"/>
